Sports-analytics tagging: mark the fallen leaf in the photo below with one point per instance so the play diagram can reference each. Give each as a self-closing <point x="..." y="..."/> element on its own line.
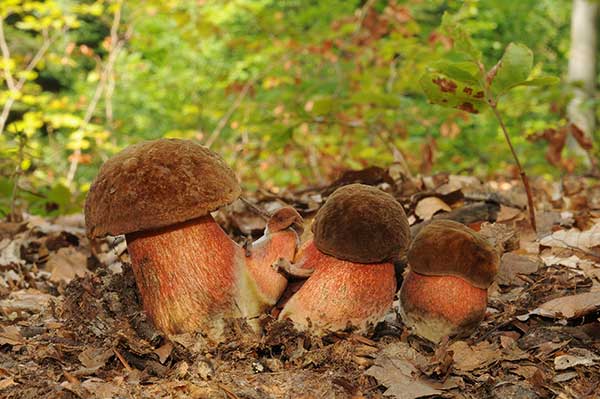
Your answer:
<point x="575" y="357"/>
<point x="508" y="213"/>
<point x="564" y="377"/>
<point x="164" y="351"/>
<point x="30" y="300"/>
<point x="584" y="240"/>
<point x="95" y="358"/>
<point x="572" y="261"/>
<point x="7" y="382"/>
<point x="11" y="335"/>
<point x="569" y="307"/>
<point x="427" y="207"/>
<point x="512" y="265"/>
<point x="395" y="369"/>
<point x="469" y="358"/>
<point x="66" y="264"/>
<point x="10" y="252"/>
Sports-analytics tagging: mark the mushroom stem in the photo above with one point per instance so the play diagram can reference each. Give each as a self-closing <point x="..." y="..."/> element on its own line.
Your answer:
<point x="279" y="241"/>
<point x="186" y="274"/>
<point x="439" y="306"/>
<point x="340" y="293"/>
<point x="193" y="276"/>
<point x="265" y="285"/>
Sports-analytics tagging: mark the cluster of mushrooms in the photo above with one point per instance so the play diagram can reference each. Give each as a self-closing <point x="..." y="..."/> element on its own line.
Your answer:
<point x="192" y="276"/>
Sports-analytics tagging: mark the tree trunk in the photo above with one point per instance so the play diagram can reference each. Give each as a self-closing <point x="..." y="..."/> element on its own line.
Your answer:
<point x="582" y="68"/>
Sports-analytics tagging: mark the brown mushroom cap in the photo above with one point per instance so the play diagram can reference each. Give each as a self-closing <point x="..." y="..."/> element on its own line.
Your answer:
<point x="361" y="224"/>
<point x="448" y="248"/>
<point x="155" y="184"/>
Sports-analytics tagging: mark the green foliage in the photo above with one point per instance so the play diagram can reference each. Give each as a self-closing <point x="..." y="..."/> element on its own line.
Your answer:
<point x="289" y="92"/>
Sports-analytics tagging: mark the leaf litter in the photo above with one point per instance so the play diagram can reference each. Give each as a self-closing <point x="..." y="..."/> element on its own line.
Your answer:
<point x="72" y="326"/>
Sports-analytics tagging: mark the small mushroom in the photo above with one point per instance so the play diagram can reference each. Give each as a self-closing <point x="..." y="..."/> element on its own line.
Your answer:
<point x="190" y="274"/>
<point x="357" y="233"/>
<point x="445" y="290"/>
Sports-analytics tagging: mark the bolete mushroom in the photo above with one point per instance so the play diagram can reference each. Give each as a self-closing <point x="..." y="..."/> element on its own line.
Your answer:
<point x="190" y="274"/>
<point x="357" y="233"/>
<point x="445" y="290"/>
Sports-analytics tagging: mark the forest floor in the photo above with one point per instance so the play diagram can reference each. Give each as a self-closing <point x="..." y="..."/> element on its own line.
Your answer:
<point x="71" y="324"/>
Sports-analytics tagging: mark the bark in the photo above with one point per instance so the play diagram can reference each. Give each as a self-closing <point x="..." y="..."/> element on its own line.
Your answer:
<point x="582" y="66"/>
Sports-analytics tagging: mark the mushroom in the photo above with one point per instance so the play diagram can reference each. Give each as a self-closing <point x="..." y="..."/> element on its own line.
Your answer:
<point x="190" y="274"/>
<point x="357" y="233"/>
<point x="445" y="290"/>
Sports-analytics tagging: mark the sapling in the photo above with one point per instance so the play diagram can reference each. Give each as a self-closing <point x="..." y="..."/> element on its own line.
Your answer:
<point x="468" y="85"/>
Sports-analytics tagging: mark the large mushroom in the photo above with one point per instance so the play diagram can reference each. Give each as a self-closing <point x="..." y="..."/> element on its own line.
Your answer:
<point x="357" y="233"/>
<point x="190" y="274"/>
<point x="445" y="290"/>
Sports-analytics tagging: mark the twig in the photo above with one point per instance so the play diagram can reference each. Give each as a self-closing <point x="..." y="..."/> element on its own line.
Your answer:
<point x="524" y="177"/>
<point x="12" y="216"/>
<point x="6" y="57"/>
<point x="494" y="105"/>
<point x="260" y="212"/>
<point x="396" y="153"/>
<point x="32" y="64"/>
<point x="116" y="46"/>
<point x="223" y="121"/>
<point x="122" y="360"/>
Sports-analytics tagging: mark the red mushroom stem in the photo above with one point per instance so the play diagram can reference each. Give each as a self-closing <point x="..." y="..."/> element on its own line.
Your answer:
<point x="206" y="277"/>
<point x="340" y="293"/>
<point x="441" y="305"/>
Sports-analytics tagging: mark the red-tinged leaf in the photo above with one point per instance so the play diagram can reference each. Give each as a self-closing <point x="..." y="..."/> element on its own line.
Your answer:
<point x="444" y="90"/>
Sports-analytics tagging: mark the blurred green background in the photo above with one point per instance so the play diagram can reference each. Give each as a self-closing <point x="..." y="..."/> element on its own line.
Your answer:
<point x="290" y="92"/>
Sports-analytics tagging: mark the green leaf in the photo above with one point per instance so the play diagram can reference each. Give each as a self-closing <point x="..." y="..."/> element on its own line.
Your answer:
<point x="513" y="68"/>
<point x="322" y="105"/>
<point x="462" y="41"/>
<point x="464" y="71"/>
<point x="541" y="81"/>
<point x="453" y="93"/>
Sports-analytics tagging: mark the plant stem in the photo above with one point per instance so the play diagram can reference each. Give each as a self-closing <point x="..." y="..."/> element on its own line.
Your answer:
<point x="13" y="216"/>
<point x="524" y="178"/>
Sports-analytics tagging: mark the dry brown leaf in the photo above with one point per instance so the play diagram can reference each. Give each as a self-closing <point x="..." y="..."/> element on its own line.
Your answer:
<point x="95" y="358"/>
<point x="584" y="240"/>
<point x="11" y="335"/>
<point x="102" y="389"/>
<point x="66" y="264"/>
<point x="164" y="351"/>
<point x="30" y="300"/>
<point x="508" y="213"/>
<point x="569" y="306"/>
<point x="395" y="368"/>
<point x="575" y="357"/>
<point x="7" y="382"/>
<point x="513" y="265"/>
<point x="429" y="206"/>
<point x="469" y="358"/>
<point x="10" y="252"/>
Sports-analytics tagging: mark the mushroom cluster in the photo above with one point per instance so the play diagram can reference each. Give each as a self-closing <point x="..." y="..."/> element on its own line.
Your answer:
<point x="190" y="274"/>
<point x="445" y="290"/>
<point x="357" y="233"/>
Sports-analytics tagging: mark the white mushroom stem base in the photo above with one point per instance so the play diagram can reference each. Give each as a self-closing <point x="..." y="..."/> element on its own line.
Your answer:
<point x="192" y="276"/>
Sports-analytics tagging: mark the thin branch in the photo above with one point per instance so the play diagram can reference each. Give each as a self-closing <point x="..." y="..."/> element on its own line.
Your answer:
<point x="12" y="216"/>
<point x="494" y="106"/>
<point x="6" y="58"/>
<point x="116" y="47"/>
<point x="32" y="64"/>
<point x="110" y="87"/>
<point x="223" y="121"/>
